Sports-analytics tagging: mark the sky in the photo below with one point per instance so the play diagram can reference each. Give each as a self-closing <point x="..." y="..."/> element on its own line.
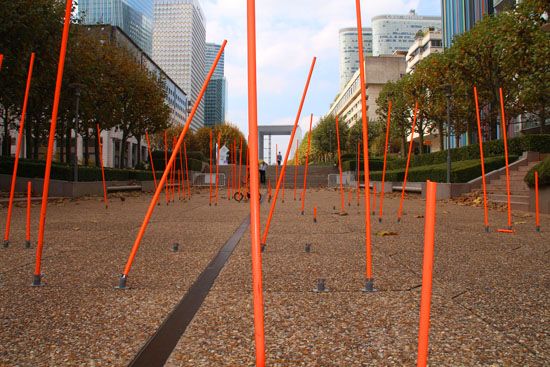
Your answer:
<point x="289" y="33"/>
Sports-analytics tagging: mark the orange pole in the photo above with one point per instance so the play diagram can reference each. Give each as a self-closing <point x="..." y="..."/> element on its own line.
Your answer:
<point x="358" y="173"/>
<point x="18" y="150"/>
<point x="381" y="211"/>
<point x="427" y="270"/>
<point x="537" y="215"/>
<point x="210" y="166"/>
<point x="246" y="171"/>
<point x="166" y="164"/>
<point x="164" y="177"/>
<point x="151" y="158"/>
<point x="174" y="172"/>
<point x="182" y="174"/>
<point x="280" y="179"/>
<point x="400" y="211"/>
<point x="296" y="161"/>
<point x="1" y="59"/>
<point x="229" y="174"/>
<point x="342" y="195"/>
<point x="240" y="164"/>
<point x="235" y="166"/>
<point x="187" y="170"/>
<point x="51" y="141"/>
<point x="480" y="138"/>
<point x="505" y="139"/>
<point x="28" y="227"/>
<point x="369" y="281"/>
<point x="218" y="165"/>
<point x="100" y="145"/>
<point x="314" y="214"/>
<point x="307" y="161"/>
<point x="255" y="188"/>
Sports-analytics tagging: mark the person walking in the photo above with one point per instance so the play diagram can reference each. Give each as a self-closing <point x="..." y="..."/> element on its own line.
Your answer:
<point x="279" y="159"/>
<point x="263" y="167"/>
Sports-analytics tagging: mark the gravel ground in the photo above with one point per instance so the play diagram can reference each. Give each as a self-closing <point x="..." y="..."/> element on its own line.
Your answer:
<point x="79" y="319"/>
<point x="489" y="307"/>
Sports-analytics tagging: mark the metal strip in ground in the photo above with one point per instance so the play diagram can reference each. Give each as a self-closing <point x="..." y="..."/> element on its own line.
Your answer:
<point x="158" y="348"/>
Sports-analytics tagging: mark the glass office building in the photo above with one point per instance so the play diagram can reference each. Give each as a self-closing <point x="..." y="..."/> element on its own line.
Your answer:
<point x="215" y="97"/>
<point x="349" y="55"/>
<point x="134" y="17"/>
<point x="460" y="16"/>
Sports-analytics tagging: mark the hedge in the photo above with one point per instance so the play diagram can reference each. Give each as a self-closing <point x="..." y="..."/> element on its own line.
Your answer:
<point x="35" y="169"/>
<point x="375" y="164"/>
<point x="194" y="163"/>
<point x="543" y="168"/>
<point x="462" y="171"/>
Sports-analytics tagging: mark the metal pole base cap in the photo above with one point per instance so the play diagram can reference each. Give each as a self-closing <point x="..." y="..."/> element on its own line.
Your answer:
<point x="538" y="228"/>
<point x="122" y="282"/>
<point x="27" y="244"/>
<point x="320" y="288"/>
<point x="262" y="247"/>
<point x="398" y="220"/>
<point x="6" y="244"/>
<point x="302" y="212"/>
<point x="369" y="286"/>
<point x="487" y="229"/>
<point x="379" y="220"/>
<point x="37" y="281"/>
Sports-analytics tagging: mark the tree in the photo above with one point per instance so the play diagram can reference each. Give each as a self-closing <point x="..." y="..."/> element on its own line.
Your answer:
<point x="323" y="138"/>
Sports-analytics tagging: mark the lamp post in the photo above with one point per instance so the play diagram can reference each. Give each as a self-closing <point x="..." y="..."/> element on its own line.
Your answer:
<point x="447" y="89"/>
<point x="77" y="88"/>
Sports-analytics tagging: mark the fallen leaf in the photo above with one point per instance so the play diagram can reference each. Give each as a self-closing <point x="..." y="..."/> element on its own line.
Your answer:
<point x="419" y="216"/>
<point x="520" y="222"/>
<point x="386" y="233"/>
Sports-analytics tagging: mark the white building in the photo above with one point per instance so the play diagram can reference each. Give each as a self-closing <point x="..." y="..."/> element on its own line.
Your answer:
<point x="427" y="41"/>
<point x="179" y="41"/>
<point x="349" y="52"/>
<point x="379" y="70"/>
<point x="392" y="33"/>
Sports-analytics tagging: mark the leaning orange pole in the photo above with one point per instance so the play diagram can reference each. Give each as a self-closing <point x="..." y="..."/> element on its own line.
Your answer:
<point x="537" y="212"/>
<point x="152" y="204"/>
<point x="259" y="337"/>
<point x="296" y="161"/>
<point x="283" y="169"/>
<point x="480" y="138"/>
<point x="427" y="270"/>
<point x="342" y="194"/>
<point x="400" y="210"/>
<point x="369" y="283"/>
<point x="101" y="164"/>
<point x="210" y="166"/>
<point x="28" y="227"/>
<point x="307" y="161"/>
<point x="151" y="158"/>
<point x="381" y="211"/>
<point x="18" y="150"/>
<point x="218" y="166"/>
<point x="37" y="279"/>
<point x="505" y="139"/>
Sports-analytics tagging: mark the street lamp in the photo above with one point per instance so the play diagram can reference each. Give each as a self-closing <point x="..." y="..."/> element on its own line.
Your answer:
<point x="77" y="88"/>
<point x="447" y="89"/>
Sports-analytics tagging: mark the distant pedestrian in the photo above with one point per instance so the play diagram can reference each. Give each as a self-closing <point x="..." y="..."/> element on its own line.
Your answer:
<point x="263" y="167"/>
<point x="279" y="159"/>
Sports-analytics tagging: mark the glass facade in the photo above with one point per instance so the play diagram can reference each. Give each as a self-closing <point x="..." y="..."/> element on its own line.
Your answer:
<point x="391" y="33"/>
<point x="460" y="16"/>
<point x="349" y="52"/>
<point x="134" y="17"/>
<point x="215" y="97"/>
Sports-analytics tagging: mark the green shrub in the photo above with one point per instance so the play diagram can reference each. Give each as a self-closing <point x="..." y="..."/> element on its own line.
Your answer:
<point x="375" y="164"/>
<point x="543" y="168"/>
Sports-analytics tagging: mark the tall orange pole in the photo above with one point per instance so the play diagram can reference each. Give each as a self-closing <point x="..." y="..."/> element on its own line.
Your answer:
<point x="505" y="140"/>
<point x="235" y="166"/>
<point x="210" y="166"/>
<point x="342" y="194"/>
<point x="358" y="173"/>
<point x="229" y="174"/>
<point x="307" y="163"/>
<point x="166" y="164"/>
<point x="400" y="211"/>
<point x="246" y="172"/>
<point x="187" y="171"/>
<point x="537" y="215"/>
<point x="255" y="188"/>
<point x="369" y="282"/>
<point x="1" y="60"/>
<point x="283" y="169"/>
<point x="37" y="278"/>
<point x="386" y="149"/>
<point x="152" y="204"/>
<point x="28" y="227"/>
<point x="18" y="150"/>
<point x="240" y="164"/>
<point x="151" y="158"/>
<point x="218" y="166"/>
<point x="174" y="171"/>
<point x="296" y="162"/>
<point x="427" y="270"/>
<point x="182" y="174"/>
<point x="101" y="164"/>
<point x="480" y="138"/>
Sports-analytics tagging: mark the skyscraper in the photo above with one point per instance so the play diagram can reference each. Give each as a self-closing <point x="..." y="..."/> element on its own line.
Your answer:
<point x="460" y="16"/>
<point x="179" y="40"/>
<point x="392" y="33"/>
<point x="134" y="17"/>
<point x="214" y="107"/>
<point x="349" y="56"/>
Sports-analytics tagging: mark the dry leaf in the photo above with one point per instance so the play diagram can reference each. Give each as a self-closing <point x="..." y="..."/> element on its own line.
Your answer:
<point x="386" y="233"/>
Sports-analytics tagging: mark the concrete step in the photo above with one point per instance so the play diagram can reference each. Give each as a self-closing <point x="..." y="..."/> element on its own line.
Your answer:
<point x="514" y="204"/>
<point x="514" y="198"/>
